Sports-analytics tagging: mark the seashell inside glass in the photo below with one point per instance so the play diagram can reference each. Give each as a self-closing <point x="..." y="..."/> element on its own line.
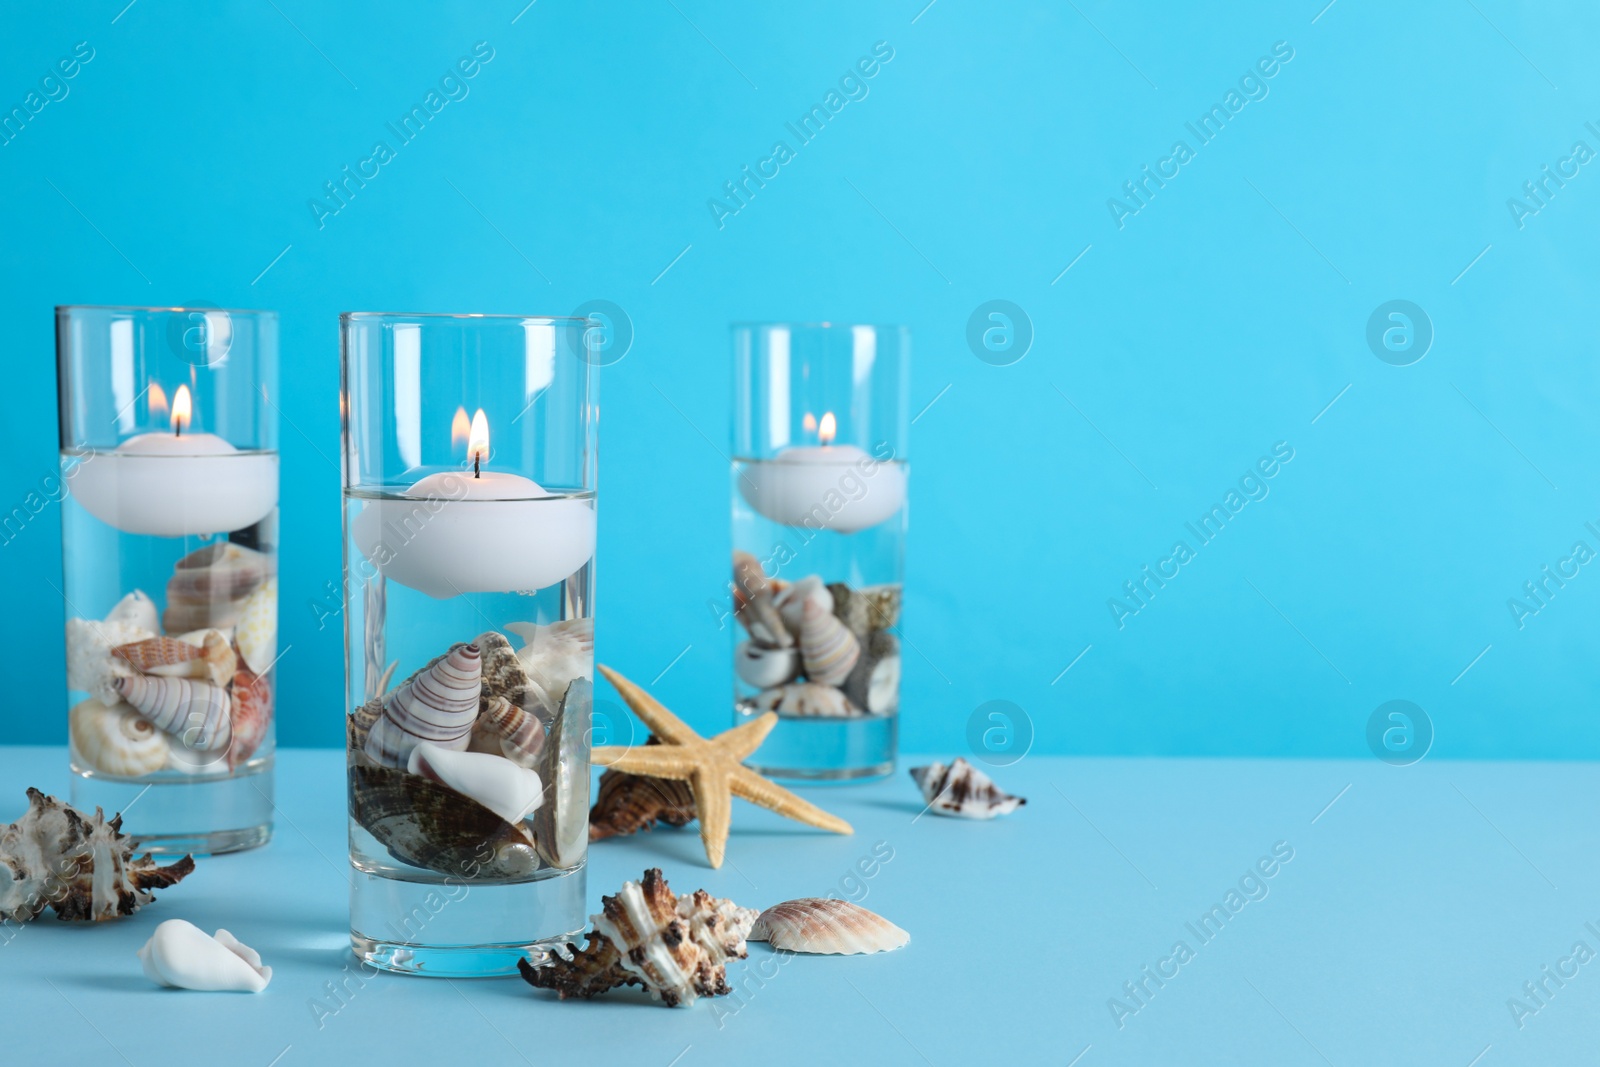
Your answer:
<point x="819" y="522"/>
<point x="469" y="556"/>
<point x="169" y="520"/>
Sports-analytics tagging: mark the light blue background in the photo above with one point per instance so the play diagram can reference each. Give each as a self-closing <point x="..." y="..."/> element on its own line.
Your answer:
<point x="1223" y="318"/>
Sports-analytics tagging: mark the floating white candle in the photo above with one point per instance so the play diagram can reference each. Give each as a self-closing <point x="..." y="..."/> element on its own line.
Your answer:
<point x="825" y="486"/>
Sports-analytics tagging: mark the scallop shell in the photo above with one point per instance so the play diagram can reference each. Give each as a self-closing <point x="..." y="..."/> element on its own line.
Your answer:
<point x="115" y="739"/>
<point x="438" y="704"/>
<point x="676" y="947"/>
<point x="517" y="734"/>
<point x="194" y="713"/>
<point x="829" y="926"/>
<point x="210" y="657"/>
<point x="138" y="610"/>
<point x="257" y="634"/>
<point x="963" y="791"/>
<point x="828" y="650"/>
<point x="251" y="715"/>
<point x="556" y="653"/>
<point x="76" y="863"/>
<point x="510" y="791"/>
<point x="181" y="955"/>
<point x="792" y="601"/>
<point x="808" y="700"/>
<point x="874" y="684"/>
<point x="210" y="585"/>
<point x="91" y="668"/>
<point x="763" y="667"/>
<point x="561" y="825"/>
<point x="428" y="825"/>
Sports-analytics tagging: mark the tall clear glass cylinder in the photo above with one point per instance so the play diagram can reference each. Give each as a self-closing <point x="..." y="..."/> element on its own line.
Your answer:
<point x="819" y="522"/>
<point x="469" y="484"/>
<point x="169" y="527"/>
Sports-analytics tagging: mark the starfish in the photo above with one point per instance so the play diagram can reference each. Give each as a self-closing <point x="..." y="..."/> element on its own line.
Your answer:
<point x="713" y="768"/>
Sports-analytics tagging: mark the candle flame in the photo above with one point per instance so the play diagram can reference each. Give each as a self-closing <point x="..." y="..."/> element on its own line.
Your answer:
<point x="478" y="439"/>
<point x="182" y="405"/>
<point x="827" y="428"/>
<point x="809" y="423"/>
<point x="460" y="428"/>
<point x="158" y="400"/>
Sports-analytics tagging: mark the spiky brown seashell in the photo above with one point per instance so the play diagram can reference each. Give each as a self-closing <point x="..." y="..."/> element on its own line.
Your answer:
<point x="429" y="825"/>
<point x="826" y="925"/>
<point x="628" y="803"/>
<point x="78" y="864"/>
<point x="675" y="947"/>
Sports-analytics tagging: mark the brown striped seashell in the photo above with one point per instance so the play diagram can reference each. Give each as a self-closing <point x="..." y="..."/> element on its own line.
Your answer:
<point x="210" y="585"/>
<point x="827" y="926"/>
<point x="425" y="824"/>
<point x="963" y="791"/>
<point x="438" y="704"/>
<point x="211" y="657"/>
<point x="828" y="650"/>
<point x="520" y="733"/>
<point x="194" y="713"/>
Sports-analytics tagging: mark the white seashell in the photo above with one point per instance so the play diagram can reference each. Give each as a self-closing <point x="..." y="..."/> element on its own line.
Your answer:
<point x="826" y="925"/>
<point x="792" y="601"/>
<point x="195" y="713"/>
<point x="136" y="609"/>
<point x="182" y="955"/>
<point x="115" y="739"/>
<point x="210" y="585"/>
<point x="807" y="699"/>
<point x="828" y="650"/>
<point x="91" y="668"/>
<point x="963" y="791"/>
<point x="874" y="684"/>
<point x="438" y="704"/>
<point x="556" y="653"/>
<point x="510" y="791"/>
<point x="257" y="633"/>
<point x="765" y="667"/>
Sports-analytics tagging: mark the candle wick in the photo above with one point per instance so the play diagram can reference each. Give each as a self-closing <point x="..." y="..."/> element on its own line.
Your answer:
<point x="475" y="473"/>
<point x="177" y="427"/>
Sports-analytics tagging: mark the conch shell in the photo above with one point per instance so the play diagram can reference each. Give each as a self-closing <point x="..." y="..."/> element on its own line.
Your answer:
<point x="438" y="704"/>
<point x="628" y="803"/>
<point x="181" y="955"/>
<point x="78" y="864"/>
<point x="963" y="791"/>
<point x="828" y="650"/>
<point x="675" y="947"/>
<point x="115" y="739"/>
<point x="826" y="925"/>
<point x="195" y="713"/>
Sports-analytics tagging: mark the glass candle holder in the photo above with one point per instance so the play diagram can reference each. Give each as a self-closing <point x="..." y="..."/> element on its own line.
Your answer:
<point x="169" y="530"/>
<point x="469" y="486"/>
<point x="819" y="523"/>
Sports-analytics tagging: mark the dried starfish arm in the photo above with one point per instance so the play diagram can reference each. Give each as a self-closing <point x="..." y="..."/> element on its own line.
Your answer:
<point x="656" y="718"/>
<point x="652" y="761"/>
<point x="758" y="790"/>
<point x="714" y="807"/>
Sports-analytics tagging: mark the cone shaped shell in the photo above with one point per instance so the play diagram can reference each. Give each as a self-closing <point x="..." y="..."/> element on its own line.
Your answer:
<point x="438" y="704"/>
<point x="521" y="733"/>
<point x="825" y="925"/>
<point x="194" y="713"/>
<point x="828" y="650"/>
<point x="182" y="955"/>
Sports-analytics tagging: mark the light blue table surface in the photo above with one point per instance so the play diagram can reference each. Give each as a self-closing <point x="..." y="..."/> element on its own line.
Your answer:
<point x="1418" y="902"/>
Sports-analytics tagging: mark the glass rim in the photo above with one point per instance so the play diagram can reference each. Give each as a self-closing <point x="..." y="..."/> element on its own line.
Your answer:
<point x="552" y="320"/>
<point x="769" y="324"/>
<point x="166" y="309"/>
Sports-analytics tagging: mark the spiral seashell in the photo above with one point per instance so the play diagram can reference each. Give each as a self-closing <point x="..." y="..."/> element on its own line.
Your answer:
<point x="764" y="668"/>
<point x="791" y="603"/>
<point x="828" y="650"/>
<point x="438" y="704"/>
<point x="210" y="585"/>
<point x="115" y="739"/>
<point x="193" y="712"/>
<point x="181" y="955"/>
<point x="520" y="733"/>
<point x="826" y="925"/>
<point x="251" y="715"/>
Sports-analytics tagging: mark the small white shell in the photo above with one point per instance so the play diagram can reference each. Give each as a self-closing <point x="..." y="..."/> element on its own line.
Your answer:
<point x="91" y="668"/>
<point x="791" y="602"/>
<point x="510" y="791"/>
<point x="115" y="739"/>
<point x="826" y="925"/>
<point x="136" y="609"/>
<point x="182" y="955"/>
<point x="764" y="668"/>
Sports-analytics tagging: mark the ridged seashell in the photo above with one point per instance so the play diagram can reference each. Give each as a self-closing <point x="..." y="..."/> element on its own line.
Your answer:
<point x="181" y="955"/>
<point x="868" y="609"/>
<point x="764" y="668"/>
<point x="504" y="676"/>
<point x="138" y="610"/>
<point x="555" y="653"/>
<point x="874" y="684"/>
<point x="753" y="595"/>
<point x="438" y="704"/>
<point x="826" y="925"/>
<point x="428" y="825"/>
<point x="828" y="650"/>
<point x="210" y="657"/>
<point x="518" y="734"/>
<point x="91" y="668"/>
<point x="196" y="714"/>
<point x="77" y="864"/>
<point x="510" y="791"/>
<point x="792" y="601"/>
<point x="115" y="739"/>
<point x="210" y="585"/>
<point x="963" y="791"/>
<point x="627" y="803"/>
<point x="676" y="947"/>
<point x="561" y="825"/>
<point x="257" y="633"/>
<point x="251" y="715"/>
<point x="808" y="700"/>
